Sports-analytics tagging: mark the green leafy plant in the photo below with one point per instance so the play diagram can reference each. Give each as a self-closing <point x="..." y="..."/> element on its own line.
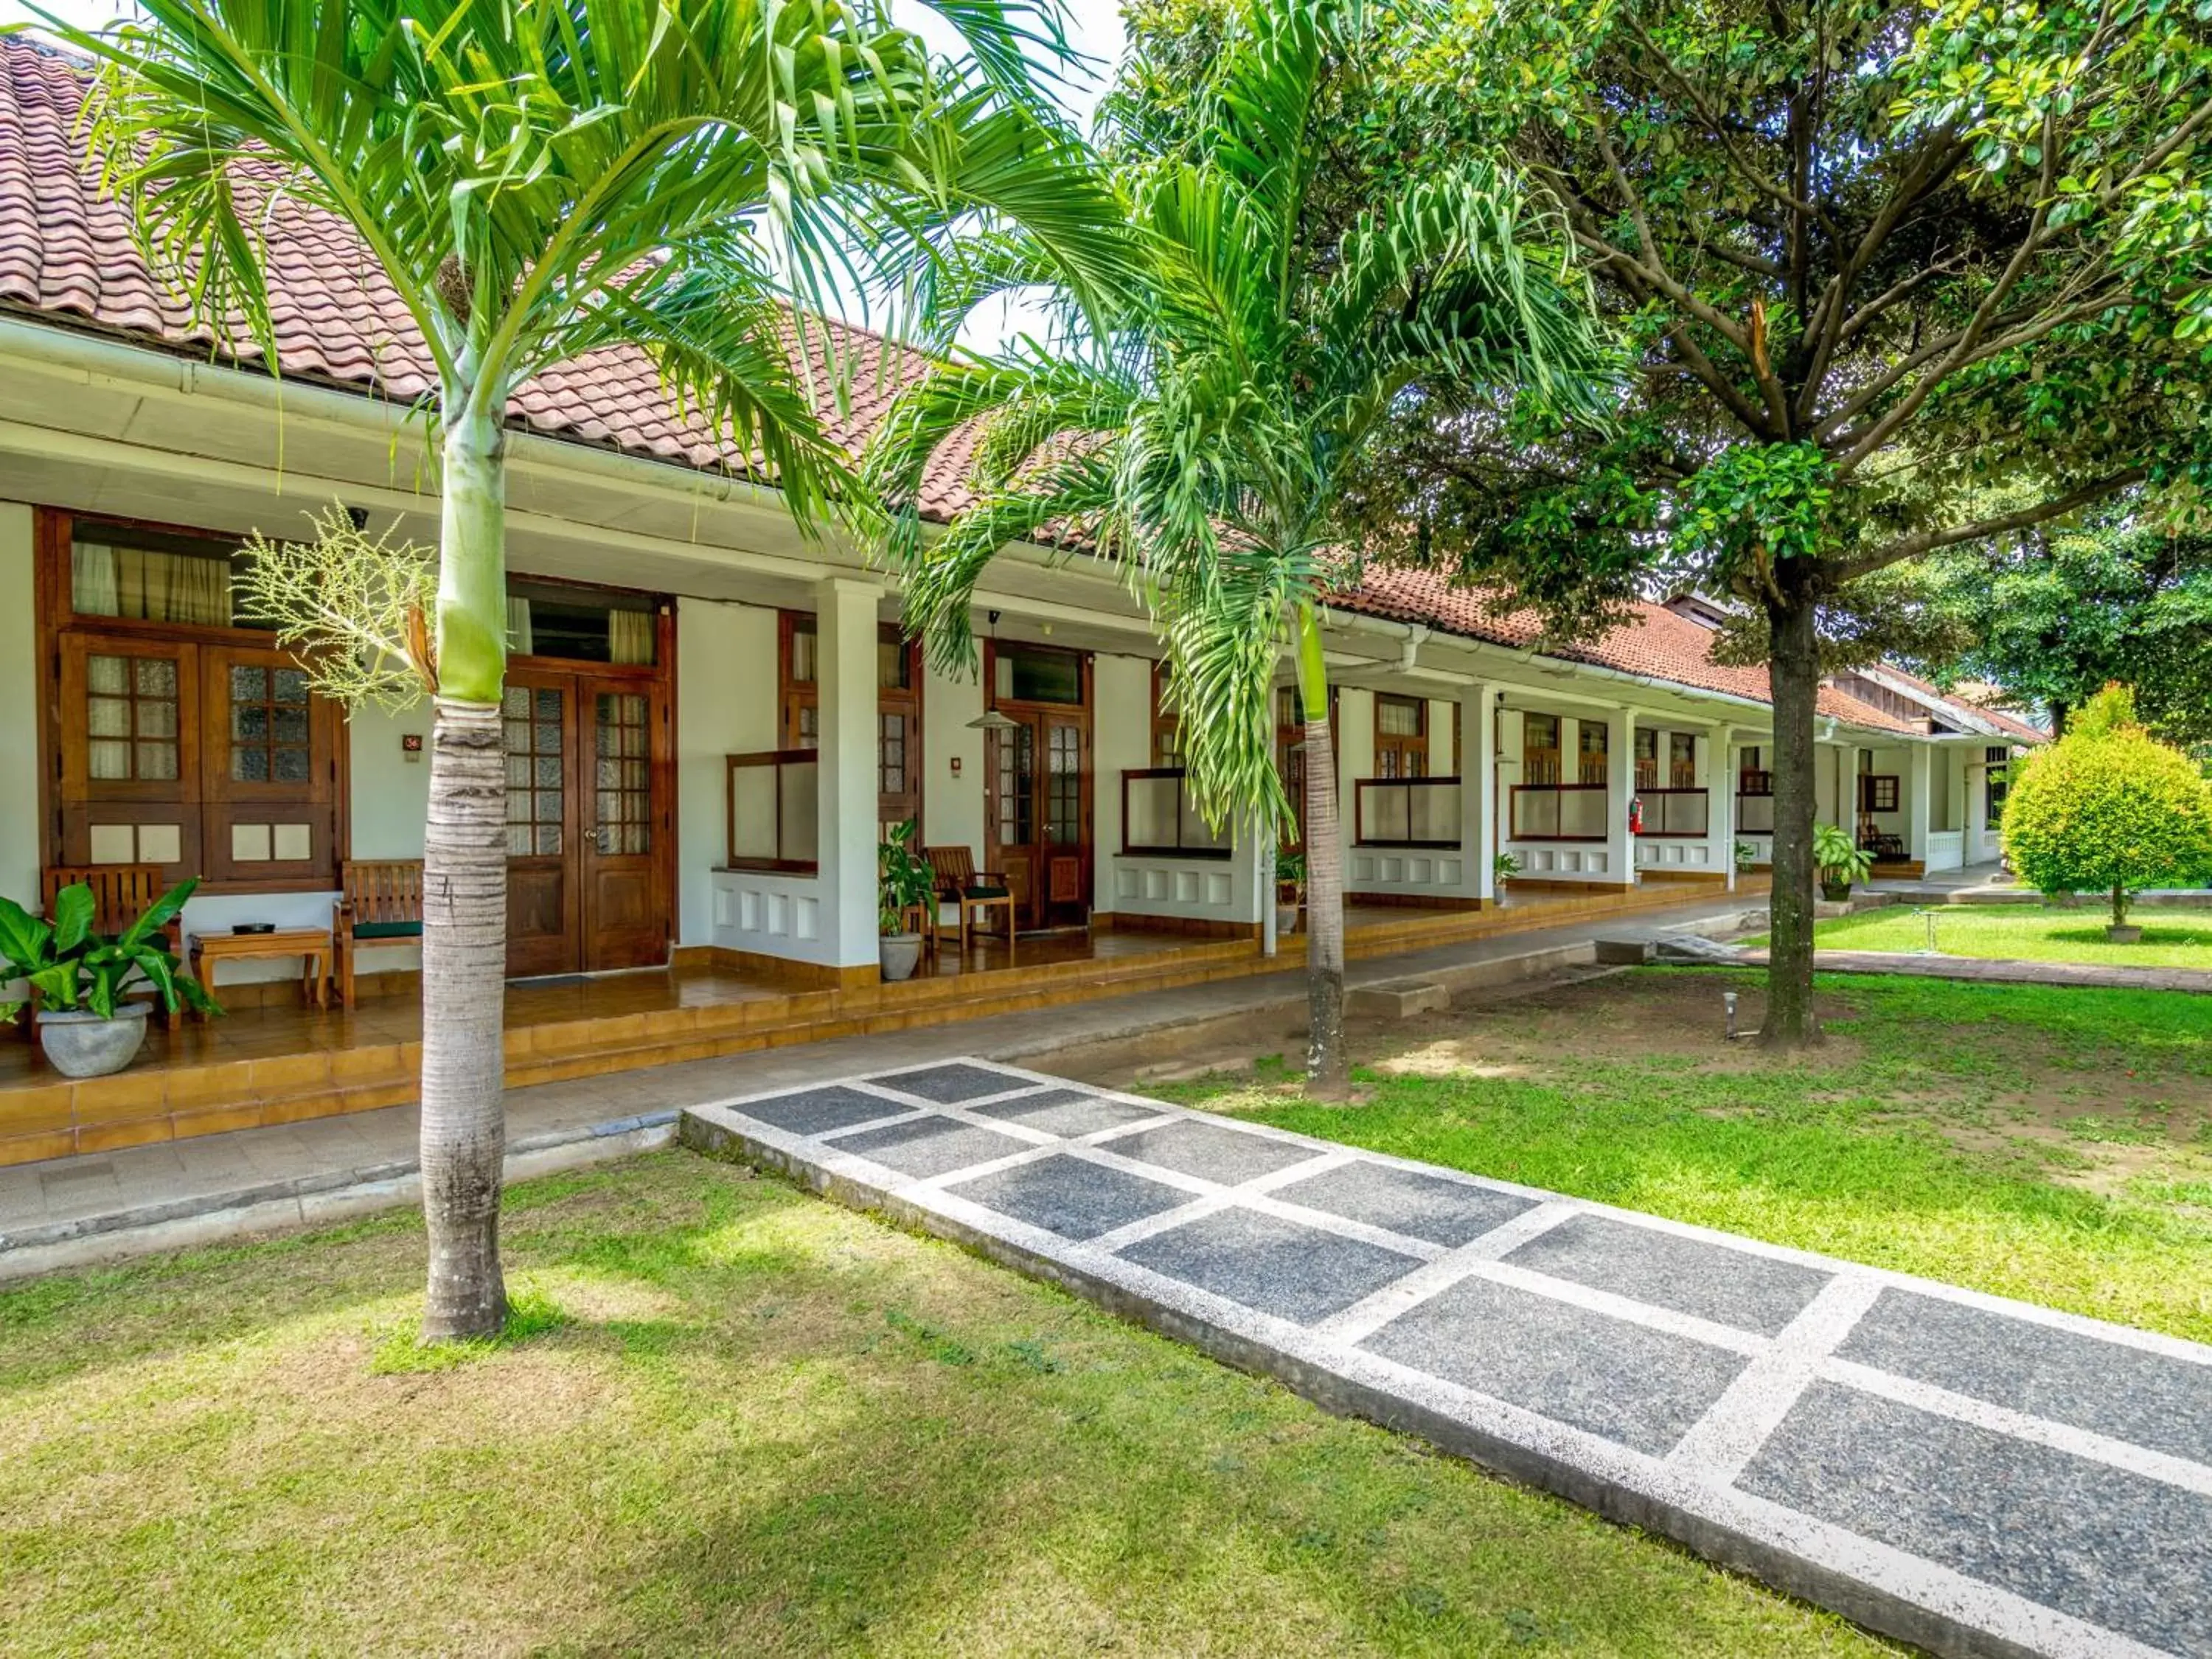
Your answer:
<point x="1839" y="860"/>
<point x="903" y="880"/>
<point x="1747" y="854"/>
<point x="1291" y="871"/>
<point x="1504" y="868"/>
<point x="2108" y="809"/>
<point x="72" y="967"/>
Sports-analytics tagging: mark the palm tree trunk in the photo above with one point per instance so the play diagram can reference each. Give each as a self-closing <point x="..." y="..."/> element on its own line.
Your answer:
<point x="1329" y="1068"/>
<point x="465" y="898"/>
<point x="1793" y="682"/>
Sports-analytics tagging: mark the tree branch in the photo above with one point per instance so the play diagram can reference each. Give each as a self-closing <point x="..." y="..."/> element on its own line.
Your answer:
<point x="1927" y="541"/>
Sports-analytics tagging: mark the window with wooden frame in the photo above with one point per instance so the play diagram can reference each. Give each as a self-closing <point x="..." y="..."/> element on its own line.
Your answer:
<point x="174" y="734"/>
<point x="1401" y="736"/>
<point x="1647" y="758"/>
<point x="1681" y="760"/>
<point x="1540" y="749"/>
<point x="1590" y="752"/>
<point x="1167" y="722"/>
<point x="1879" y="792"/>
<point x="899" y="708"/>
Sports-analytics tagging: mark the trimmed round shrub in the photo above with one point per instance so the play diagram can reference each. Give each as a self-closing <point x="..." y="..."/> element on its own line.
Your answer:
<point x="2107" y="809"/>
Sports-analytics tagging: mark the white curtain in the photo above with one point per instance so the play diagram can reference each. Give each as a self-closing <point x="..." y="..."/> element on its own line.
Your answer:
<point x="630" y="636"/>
<point x="519" y="640"/>
<point x="143" y="582"/>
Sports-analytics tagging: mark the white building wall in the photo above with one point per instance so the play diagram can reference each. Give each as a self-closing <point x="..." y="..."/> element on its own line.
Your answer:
<point x="19" y="694"/>
<point x="1706" y="855"/>
<point x="952" y="802"/>
<point x="726" y="704"/>
<point x="1132" y="887"/>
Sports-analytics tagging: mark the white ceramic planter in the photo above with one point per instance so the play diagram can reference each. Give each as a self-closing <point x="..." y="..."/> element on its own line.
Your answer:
<point x="899" y="954"/>
<point x="83" y="1044"/>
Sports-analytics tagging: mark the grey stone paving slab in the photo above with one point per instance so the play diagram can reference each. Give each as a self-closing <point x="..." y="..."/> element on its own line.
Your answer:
<point x="1642" y="1387"/>
<point x="1070" y="1197"/>
<point x="950" y="1085"/>
<point x="2107" y="1387"/>
<point x="1432" y="1207"/>
<point x="1068" y="1112"/>
<point x="1967" y="1477"/>
<point x="1295" y="1273"/>
<point x="822" y="1111"/>
<point x="1717" y="1282"/>
<point x="1209" y="1149"/>
<point x="930" y="1146"/>
<point x="2094" y="1542"/>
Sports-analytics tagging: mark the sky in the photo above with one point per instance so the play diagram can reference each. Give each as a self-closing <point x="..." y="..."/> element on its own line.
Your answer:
<point x="1094" y="29"/>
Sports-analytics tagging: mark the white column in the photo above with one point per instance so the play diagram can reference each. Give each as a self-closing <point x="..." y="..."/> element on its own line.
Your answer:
<point x="1475" y="719"/>
<point x="845" y="641"/>
<point x="1720" y="772"/>
<point x="1621" y="775"/>
<point x="1919" y="776"/>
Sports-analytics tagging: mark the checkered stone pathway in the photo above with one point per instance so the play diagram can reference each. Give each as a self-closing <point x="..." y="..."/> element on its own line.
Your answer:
<point x="1972" y="1476"/>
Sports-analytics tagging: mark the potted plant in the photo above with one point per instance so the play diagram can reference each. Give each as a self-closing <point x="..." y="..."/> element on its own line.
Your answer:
<point x="1747" y="854"/>
<point x="902" y="881"/>
<point x="1503" y="868"/>
<point x="79" y="977"/>
<point x="1840" y="862"/>
<point x="1290" y="889"/>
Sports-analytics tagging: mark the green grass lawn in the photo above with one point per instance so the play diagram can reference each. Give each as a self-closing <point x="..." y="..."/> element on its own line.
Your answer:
<point x="2172" y="938"/>
<point x="2053" y="1144"/>
<point x="746" y="1421"/>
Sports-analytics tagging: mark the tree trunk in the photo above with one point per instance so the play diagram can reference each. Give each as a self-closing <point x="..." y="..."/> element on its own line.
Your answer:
<point x="1328" y="1068"/>
<point x="464" y="900"/>
<point x="2119" y="905"/>
<point x="1794" y="681"/>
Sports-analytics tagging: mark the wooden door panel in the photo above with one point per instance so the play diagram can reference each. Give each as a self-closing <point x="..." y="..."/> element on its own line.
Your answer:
<point x="128" y="724"/>
<point x="543" y="920"/>
<point x="625" y="923"/>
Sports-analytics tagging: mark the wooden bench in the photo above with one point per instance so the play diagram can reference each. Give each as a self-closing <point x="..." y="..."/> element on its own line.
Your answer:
<point x="977" y="892"/>
<point x="121" y="893"/>
<point x="380" y="903"/>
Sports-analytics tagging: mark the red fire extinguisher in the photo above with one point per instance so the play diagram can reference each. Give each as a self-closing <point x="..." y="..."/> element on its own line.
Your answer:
<point x="1636" y="815"/>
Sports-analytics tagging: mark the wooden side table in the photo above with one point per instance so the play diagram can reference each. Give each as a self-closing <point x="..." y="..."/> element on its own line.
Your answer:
<point x="311" y="945"/>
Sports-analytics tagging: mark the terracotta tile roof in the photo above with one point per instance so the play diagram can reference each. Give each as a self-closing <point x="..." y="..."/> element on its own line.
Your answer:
<point x="66" y="253"/>
<point x="2012" y="725"/>
<point x="1658" y="644"/>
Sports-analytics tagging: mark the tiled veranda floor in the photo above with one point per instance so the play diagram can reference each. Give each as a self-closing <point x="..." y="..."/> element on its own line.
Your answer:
<point x="1969" y="1474"/>
<point x="253" y="1029"/>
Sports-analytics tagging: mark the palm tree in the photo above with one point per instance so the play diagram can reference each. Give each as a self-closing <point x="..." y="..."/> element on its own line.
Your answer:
<point x="536" y="180"/>
<point x="1205" y="436"/>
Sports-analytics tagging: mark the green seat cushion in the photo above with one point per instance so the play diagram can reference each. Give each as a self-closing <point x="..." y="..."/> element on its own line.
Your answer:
<point x="387" y="930"/>
<point x="985" y="893"/>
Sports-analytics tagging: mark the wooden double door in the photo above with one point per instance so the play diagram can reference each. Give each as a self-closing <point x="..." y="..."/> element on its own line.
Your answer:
<point x="589" y="822"/>
<point x="1038" y="810"/>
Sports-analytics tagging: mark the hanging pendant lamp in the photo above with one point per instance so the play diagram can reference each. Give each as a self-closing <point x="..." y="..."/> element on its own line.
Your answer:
<point x="991" y="719"/>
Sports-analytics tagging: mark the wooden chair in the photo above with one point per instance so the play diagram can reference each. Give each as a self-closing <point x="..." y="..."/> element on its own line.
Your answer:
<point x="977" y="892"/>
<point x="121" y="893"/>
<point x="380" y="903"/>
